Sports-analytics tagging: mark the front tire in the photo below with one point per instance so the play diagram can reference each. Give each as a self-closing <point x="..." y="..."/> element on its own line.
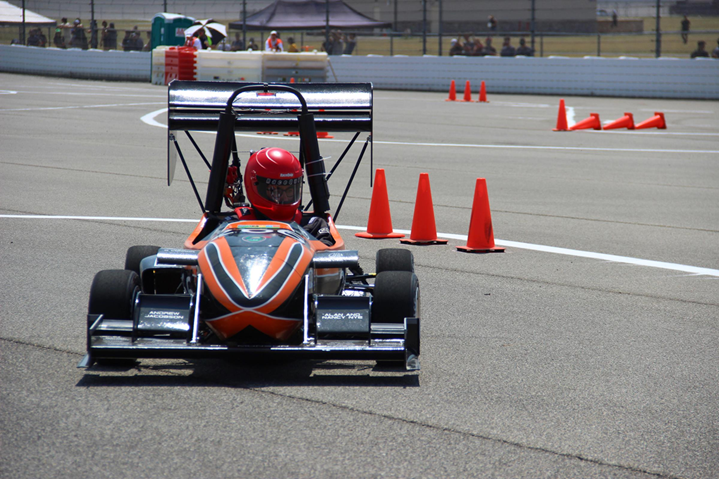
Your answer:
<point x="396" y="296"/>
<point x="135" y="255"/>
<point x="113" y="292"/>
<point x="394" y="259"/>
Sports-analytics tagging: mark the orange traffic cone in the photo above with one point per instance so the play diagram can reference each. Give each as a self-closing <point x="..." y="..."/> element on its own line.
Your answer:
<point x="292" y="133"/>
<point x="657" y="121"/>
<point x="324" y="134"/>
<point x="266" y="132"/>
<point x="379" y="224"/>
<point x="452" y="92"/>
<point x="292" y="79"/>
<point x="467" y="92"/>
<point x="561" y="118"/>
<point x="483" y="93"/>
<point x="627" y="121"/>
<point x="591" y="122"/>
<point x="481" y="237"/>
<point x="424" y="230"/>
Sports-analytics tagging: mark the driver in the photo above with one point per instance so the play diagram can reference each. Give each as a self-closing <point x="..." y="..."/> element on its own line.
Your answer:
<point x="273" y="184"/>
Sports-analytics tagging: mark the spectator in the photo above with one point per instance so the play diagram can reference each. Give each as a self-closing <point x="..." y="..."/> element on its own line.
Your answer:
<point x="252" y="46"/>
<point x="685" y="29"/>
<point x="59" y="38"/>
<point x="350" y="44"/>
<point x="148" y="46"/>
<point x="33" y="39"/>
<point x="66" y="32"/>
<point x="93" y="34"/>
<point x="205" y="40"/>
<point x="274" y="43"/>
<point x="523" y="49"/>
<point x="79" y="39"/>
<point x="492" y="23"/>
<point x="467" y="45"/>
<point x="700" y="51"/>
<point x="336" y="45"/>
<point x="111" y="38"/>
<point x="237" y="44"/>
<point x="194" y="40"/>
<point x="615" y="18"/>
<point x="103" y="35"/>
<point x="478" y="49"/>
<point x="507" y="48"/>
<point x="715" y="52"/>
<point x="128" y="43"/>
<point x="489" y="50"/>
<point x="292" y="46"/>
<point x="456" y="48"/>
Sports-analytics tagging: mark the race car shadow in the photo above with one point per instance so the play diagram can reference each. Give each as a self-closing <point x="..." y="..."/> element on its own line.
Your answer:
<point x="221" y="373"/>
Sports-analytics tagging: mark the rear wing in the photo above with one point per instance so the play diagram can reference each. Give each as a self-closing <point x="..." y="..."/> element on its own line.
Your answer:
<point x="196" y="106"/>
<point x="302" y="108"/>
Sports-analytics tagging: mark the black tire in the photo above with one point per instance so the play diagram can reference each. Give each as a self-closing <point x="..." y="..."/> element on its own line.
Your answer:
<point x="396" y="296"/>
<point x="113" y="293"/>
<point x="135" y="255"/>
<point x="394" y="259"/>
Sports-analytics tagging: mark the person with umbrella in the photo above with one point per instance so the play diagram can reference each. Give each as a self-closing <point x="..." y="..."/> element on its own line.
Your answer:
<point x="210" y="32"/>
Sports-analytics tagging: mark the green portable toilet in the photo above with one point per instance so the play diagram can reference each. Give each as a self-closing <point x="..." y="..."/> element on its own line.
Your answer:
<point x="169" y="29"/>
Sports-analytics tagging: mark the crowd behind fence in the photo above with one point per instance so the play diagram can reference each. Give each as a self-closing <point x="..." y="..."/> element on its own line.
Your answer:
<point x="675" y="43"/>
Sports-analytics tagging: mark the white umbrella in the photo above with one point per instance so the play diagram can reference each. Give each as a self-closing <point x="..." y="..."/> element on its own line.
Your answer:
<point x="215" y="31"/>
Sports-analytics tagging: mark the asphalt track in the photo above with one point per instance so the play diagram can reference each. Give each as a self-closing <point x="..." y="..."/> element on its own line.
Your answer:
<point x="588" y="349"/>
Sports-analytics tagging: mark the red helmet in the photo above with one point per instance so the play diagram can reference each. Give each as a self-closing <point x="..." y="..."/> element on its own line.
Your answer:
<point x="273" y="183"/>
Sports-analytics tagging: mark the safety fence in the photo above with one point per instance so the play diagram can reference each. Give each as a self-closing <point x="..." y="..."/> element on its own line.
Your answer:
<point x="621" y="77"/>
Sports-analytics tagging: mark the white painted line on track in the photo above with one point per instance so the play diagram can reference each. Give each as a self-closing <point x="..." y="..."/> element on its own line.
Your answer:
<point x="150" y="120"/>
<point x="692" y="270"/>
<point x="75" y="107"/>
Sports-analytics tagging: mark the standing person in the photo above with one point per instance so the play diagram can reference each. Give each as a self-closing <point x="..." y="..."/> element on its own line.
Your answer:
<point x="455" y="48"/>
<point x="336" y="45"/>
<point x="507" y="48"/>
<point x="468" y="45"/>
<point x="350" y="44"/>
<point x="292" y="46"/>
<point x="489" y="50"/>
<point x="523" y="49"/>
<point x="251" y="45"/>
<point x="492" y="23"/>
<point x="59" y="39"/>
<point x="715" y="52"/>
<point x="194" y="40"/>
<point x="103" y="35"/>
<point x="615" y="18"/>
<point x="478" y="50"/>
<point x="685" y="29"/>
<point x="111" y="38"/>
<point x="700" y="52"/>
<point x="66" y="32"/>
<point x="274" y="43"/>
<point x="237" y="44"/>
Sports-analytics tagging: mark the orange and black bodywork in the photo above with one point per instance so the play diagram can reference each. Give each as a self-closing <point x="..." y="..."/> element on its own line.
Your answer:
<point x="245" y="287"/>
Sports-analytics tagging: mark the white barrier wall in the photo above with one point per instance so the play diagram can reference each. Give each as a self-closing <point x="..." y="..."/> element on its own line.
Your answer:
<point x="621" y="77"/>
<point x="629" y="77"/>
<point x="76" y="63"/>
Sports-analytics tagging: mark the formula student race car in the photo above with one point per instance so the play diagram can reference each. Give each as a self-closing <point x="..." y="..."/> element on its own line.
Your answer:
<point x="258" y="288"/>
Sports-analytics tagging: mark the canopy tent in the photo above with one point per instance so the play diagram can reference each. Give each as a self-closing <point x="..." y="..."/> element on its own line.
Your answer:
<point x="307" y="15"/>
<point x="12" y="15"/>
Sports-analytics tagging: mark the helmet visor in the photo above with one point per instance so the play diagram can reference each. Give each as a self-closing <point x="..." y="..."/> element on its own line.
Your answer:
<point x="280" y="192"/>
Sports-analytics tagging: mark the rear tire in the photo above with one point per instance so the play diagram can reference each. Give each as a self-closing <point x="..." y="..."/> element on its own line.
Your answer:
<point x="135" y="255"/>
<point x="396" y="296"/>
<point x="394" y="259"/>
<point x="113" y="293"/>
